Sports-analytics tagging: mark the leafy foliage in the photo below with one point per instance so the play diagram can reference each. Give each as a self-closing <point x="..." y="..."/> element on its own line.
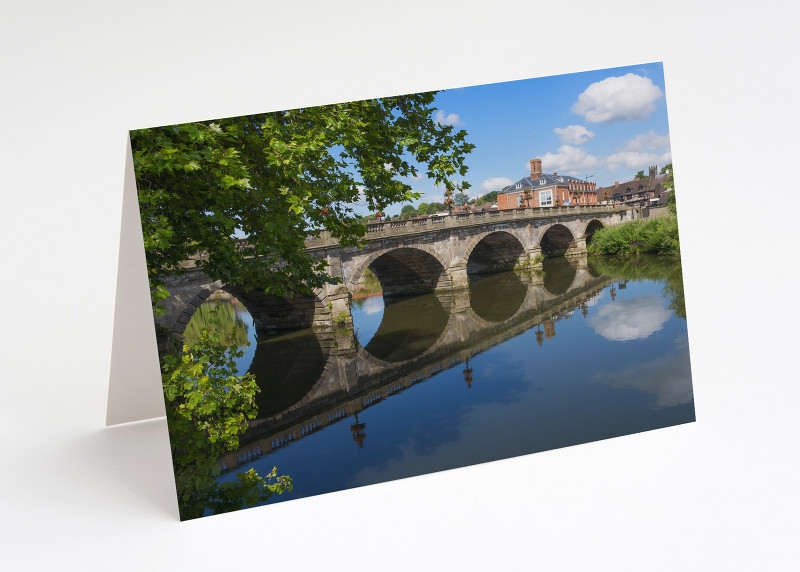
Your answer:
<point x="657" y="236"/>
<point x="640" y="175"/>
<point x="208" y="407"/>
<point x="488" y="198"/>
<point x="278" y="177"/>
<point x="461" y="199"/>
<point x="669" y="184"/>
<point x="430" y="208"/>
<point x="219" y="319"/>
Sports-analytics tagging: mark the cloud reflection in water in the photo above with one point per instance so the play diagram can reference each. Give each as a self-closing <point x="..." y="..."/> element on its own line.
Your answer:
<point x="624" y="320"/>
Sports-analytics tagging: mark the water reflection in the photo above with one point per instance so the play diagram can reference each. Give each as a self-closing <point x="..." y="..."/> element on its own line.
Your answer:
<point x="633" y="319"/>
<point x="286" y="367"/>
<point x="410" y="326"/>
<point x="497" y="297"/>
<point x="559" y="274"/>
<point x="474" y="376"/>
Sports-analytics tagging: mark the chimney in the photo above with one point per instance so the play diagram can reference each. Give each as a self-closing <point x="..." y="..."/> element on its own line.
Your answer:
<point x="536" y="168"/>
<point x="555" y="174"/>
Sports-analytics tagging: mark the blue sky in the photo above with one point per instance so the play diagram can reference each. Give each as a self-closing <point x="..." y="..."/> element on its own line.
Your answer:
<point x="608" y="123"/>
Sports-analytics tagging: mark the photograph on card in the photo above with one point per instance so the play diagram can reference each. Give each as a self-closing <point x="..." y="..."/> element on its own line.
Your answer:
<point x="352" y="293"/>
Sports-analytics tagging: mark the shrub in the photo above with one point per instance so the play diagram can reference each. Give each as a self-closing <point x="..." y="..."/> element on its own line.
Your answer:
<point x="657" y="236"/>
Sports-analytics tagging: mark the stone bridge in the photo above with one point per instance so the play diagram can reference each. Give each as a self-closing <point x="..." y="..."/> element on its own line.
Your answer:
<point x="348" y="378"/>
<point x="437" y="254"/>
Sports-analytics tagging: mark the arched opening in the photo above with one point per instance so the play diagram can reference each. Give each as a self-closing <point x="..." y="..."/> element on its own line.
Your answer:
<point x="591" y="228"/>
<point x="559" y="274"/>
<point x="408" y="272"/>
<point x="498" y="297"/>
<point x="496" y="252"/>
<point x="274" y="314"/>
<point x="556" y="241"/>
<point x="286" y="365"/>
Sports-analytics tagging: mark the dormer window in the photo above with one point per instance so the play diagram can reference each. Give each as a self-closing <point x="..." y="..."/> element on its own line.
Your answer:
<point x="542" y="181"/>
<point x="519" y="185"/>
<point x="560" y="179"/>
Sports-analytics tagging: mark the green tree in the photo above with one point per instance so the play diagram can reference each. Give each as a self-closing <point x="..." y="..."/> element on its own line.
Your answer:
<point x="208" y="407"/>
<point x="461" y="199"/>
<point x="275" y="178"/>
<point x="220" y="319"/>
<point x="279" y="177"/>
<point x="488" y="198"/>
<point x="640" y="175"/>
<point x="669" y="185"/>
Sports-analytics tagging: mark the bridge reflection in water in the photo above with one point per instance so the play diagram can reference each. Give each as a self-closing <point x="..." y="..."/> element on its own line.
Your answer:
<point x="325" y="382"/>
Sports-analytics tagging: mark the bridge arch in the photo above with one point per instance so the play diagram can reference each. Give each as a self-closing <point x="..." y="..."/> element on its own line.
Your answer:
<point x="405" y="270"/>
<point x="270" y="313"/>
<point x="593" y="226"/>
<point x="557" y="240"/>
<point x="493" y="251"/>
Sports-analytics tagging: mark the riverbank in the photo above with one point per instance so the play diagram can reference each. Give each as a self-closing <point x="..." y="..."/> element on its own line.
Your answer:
<point x="657" y="236"/>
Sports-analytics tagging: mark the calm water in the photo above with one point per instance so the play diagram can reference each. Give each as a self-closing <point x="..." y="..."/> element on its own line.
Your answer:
<point x="584" y="351"/>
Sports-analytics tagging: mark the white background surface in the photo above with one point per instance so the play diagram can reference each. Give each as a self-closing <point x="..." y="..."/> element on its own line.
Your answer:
<point x="719" y="494"/>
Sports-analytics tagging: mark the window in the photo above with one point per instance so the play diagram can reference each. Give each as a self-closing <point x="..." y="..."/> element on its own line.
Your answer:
<point x="546" y="198"/>
<point x="520" y="200"/>
<point x="519" y="185"/>
<point x="560" y="179"/>
<point x="542" y="181"/>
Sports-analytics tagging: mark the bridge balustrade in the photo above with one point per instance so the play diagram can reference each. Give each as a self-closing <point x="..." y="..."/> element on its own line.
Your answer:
<point x="324" y="238"/>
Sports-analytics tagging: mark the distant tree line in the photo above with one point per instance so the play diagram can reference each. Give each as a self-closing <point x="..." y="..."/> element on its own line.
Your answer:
<point x="428" y="209"/>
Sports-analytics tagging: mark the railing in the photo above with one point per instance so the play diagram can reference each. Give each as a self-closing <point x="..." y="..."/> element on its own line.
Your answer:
<point x="396" y="227"/>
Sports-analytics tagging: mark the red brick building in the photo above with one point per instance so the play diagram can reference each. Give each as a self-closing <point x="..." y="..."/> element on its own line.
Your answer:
<point x="545" y="190"/>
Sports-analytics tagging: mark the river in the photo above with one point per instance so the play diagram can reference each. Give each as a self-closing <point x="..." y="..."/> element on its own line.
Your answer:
<point x="581" y="351"/>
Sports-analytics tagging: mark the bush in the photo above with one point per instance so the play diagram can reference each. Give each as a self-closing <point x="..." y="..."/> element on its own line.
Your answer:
<point x="657" y="236"/>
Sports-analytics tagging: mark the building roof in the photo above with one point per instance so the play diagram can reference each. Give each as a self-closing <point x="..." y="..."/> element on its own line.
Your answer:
<point x="664" y="198"/>
<point x="629" y="188"/>
<point x="549" y="181"/>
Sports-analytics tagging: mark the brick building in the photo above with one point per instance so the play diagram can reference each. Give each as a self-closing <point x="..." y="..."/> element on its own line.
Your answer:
<point x="545" y="190"/>
<point x="638" y="192"/>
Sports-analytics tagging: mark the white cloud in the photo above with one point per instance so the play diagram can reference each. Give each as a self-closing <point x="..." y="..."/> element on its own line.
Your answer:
<point x="449" y="119"/>
<point x="570" y="160"/>
<point x="635" y="319"/>
<point x="495" y="184"/>
<point x="635" y="154"/>
<point x="573" y="134"/>
<point x="650" y="140"/>
<point x="636" y="161"/>
<point x="621" y="98"/>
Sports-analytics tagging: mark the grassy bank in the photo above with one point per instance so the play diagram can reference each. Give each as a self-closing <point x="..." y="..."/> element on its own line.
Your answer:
<point x="657" y="236"/>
